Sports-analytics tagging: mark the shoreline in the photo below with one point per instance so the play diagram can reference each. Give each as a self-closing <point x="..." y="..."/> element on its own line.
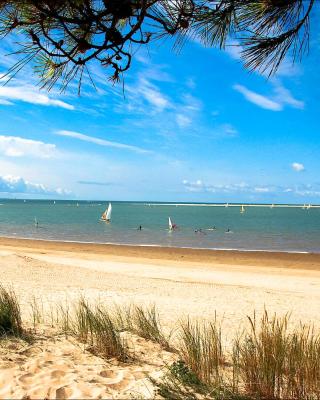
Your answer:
<point x="264" y="258"/>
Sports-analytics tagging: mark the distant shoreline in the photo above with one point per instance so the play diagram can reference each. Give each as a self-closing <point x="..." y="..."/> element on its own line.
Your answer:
<point x="301" y="260"/>
<point x="172" y="203"/>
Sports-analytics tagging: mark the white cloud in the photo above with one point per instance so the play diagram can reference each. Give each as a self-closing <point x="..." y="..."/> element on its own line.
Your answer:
<point x="275" y="102"/>
<point x="258" y="99"/>
<point x="287" y="67"/>
<point x="15" y="146"/>
<point x="191" y="83"/>
<point x="29" y="94"/>
<point x="101" y="142"/>
<point x="262" y="189"/>
<point x="183" y="121"/>
<point x="16" y="184"/>
<point x="152" y="94"/>
<point x="244" y="188"/>
<point x="284" y="96"/>
<point x="229" y="130"/>
<point x="6" y="102"/>
<point x="298" y="167"/>
<point x="200" y="186"/>
<point x="233" y="48"/>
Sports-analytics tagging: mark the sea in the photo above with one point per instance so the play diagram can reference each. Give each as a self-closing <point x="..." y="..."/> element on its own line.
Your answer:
<point x="286" y="229"/>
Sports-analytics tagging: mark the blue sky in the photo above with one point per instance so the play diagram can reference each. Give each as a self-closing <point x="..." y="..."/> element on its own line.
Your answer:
<point x="193" y="126"/>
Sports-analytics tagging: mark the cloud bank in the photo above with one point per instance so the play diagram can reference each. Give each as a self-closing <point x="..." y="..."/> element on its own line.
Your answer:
<point x="199" y="186"/>
<point x="18" y="185"/>
<point x="15" y="146"/>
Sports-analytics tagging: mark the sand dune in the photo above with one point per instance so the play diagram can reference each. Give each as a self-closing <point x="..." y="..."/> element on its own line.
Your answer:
<point x="55" y="367"/>
<point x="59" y="367"/>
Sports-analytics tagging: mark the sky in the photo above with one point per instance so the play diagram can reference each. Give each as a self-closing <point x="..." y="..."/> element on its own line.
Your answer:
<point x="193" y="126"/>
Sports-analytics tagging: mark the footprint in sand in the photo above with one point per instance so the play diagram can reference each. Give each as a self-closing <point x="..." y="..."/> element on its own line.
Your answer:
<point x="139" y="374"/>
<point x="57" y="374"/>
<point x="26" y="378"/>
<point x="124" y="384"/>
<point x="108" y="373"/>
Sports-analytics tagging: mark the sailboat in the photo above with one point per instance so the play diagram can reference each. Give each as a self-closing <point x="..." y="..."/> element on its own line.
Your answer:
<point x="106" y="216"/>
<point x="242" y="210"/>
<point x="171" y="225"/>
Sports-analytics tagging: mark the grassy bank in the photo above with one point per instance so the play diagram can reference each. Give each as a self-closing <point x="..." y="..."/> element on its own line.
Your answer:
<point x="269" y="360"/>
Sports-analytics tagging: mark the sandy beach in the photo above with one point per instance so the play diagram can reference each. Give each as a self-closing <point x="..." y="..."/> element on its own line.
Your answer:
<point x="181" y="282"/>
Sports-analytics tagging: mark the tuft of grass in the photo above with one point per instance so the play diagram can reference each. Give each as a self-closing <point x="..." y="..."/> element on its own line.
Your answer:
<point x="96" y="327"/>
<point x="10" y="315"/>
<point x="145" y="322"/>
<point x="201" y="350"/>
<point x="180" y="383"/>
<point x="122" y="318"/>
<point x="37" y="313"/>
<point x="274" y="363"/>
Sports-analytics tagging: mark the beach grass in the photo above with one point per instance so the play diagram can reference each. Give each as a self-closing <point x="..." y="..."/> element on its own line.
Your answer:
<point x="10" y="314"/>
<point x="201" y="350"/>
<point x="274" y="362"/>
<point x="271" y="359"/>
<point x="96" y="327"/>
<point x="146" y="323"/>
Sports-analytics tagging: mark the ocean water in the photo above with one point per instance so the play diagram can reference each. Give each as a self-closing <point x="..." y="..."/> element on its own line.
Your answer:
<point x="277" y="229"/>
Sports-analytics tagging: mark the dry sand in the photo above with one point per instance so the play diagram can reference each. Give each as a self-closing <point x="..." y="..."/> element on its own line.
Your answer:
<point x="180" y="282"/>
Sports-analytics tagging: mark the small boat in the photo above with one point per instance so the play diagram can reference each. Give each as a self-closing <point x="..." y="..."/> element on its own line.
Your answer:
<point x="226" y="205"/>
<point x="242" y="209"/>
<point x="106" y="216"/>
<point x="309" y="206"/>
<point x="171" y="225"/>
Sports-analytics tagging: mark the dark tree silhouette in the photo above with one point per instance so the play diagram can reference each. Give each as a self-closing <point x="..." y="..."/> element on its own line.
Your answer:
<point x="61" y="38"/>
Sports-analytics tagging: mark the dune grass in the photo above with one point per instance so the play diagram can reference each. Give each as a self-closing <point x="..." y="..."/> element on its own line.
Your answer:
<point x="10" y="314"/>
<point x="201" y="350"/>
<point x="270" y="360"/>
<point x="146" y="323"/>
<point x="96" y="327"/>
<point x="142" y="321"/>
<point x="274" y="363"/>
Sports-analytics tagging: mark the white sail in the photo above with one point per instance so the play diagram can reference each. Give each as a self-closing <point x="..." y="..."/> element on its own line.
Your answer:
<point x="242" y="209"/>
<point x="170" y="224"/>
<point x="106" y="216"/>
<point x="109" y="212"/>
